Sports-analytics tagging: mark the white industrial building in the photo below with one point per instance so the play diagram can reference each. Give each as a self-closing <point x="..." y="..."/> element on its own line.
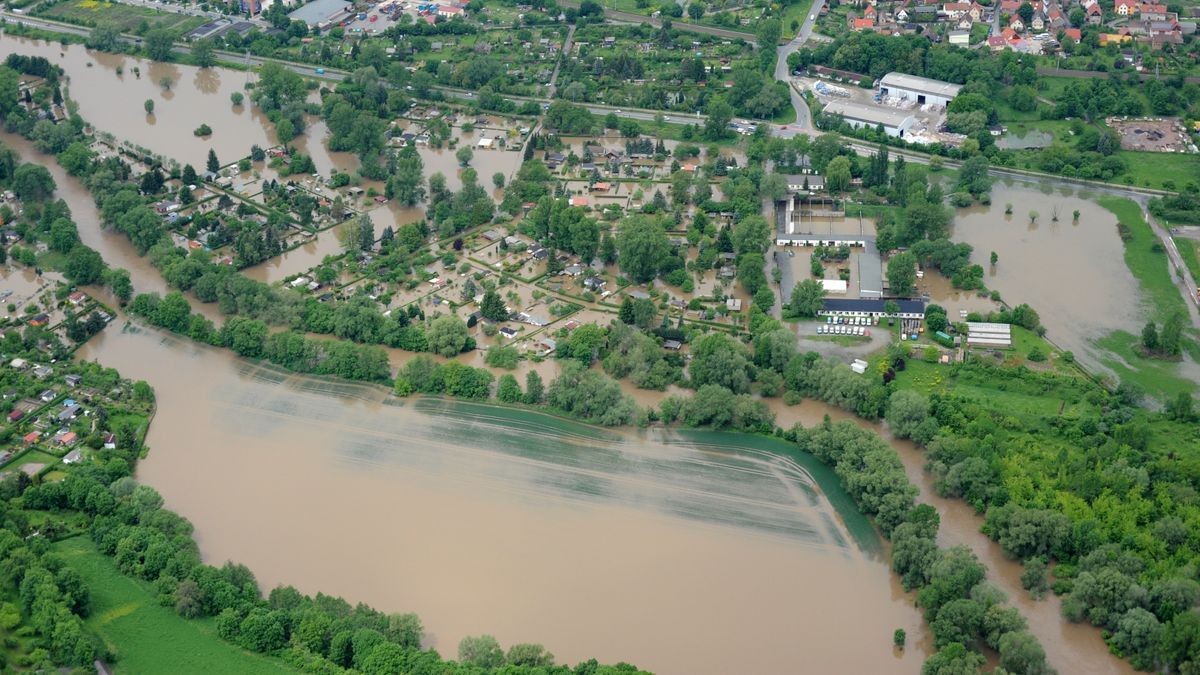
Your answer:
<point x="920" y="89"/>
<point x="895" y="122"/>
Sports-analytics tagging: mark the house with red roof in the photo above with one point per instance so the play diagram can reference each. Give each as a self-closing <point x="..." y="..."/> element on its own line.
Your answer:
<point x="1152" y="12"/>
<point x="1125" y="7"/>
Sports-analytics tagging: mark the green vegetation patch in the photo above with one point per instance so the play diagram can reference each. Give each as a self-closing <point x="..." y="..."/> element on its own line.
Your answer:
<point x="128" y="18"/>
<point x="1187" y="251"/>
<point x="145" y="636"/>
<point x="1158" y="378"/>
<point x="1164" y="170"/>
<point x="1145" y="257"/>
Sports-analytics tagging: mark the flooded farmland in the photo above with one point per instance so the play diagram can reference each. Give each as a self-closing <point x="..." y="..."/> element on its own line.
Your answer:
<point x="1072" y="272"/>
<point x="691" y="552"/>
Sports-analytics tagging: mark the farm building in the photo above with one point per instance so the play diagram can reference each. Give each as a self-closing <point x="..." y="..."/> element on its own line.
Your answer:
<point x="894" y="122"/>
<point x="921" y="89"/>
<point x="909" y="309"/>
<point x="981" y="334"/>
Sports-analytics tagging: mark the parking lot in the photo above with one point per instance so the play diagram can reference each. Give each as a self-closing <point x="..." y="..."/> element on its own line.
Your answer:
<point x="852" y="326"/>
<point x="384" y="15"/>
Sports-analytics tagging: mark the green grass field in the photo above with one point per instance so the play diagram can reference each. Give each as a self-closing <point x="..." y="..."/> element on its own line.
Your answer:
<point x="1146" y="259"/>
<point x="1161" y="169"/>
<point x="145" y="636"/>
<point x="1158" y="378"/>
<point x="34" y="457"/>
<point x="1187" y="251"/>
<point x="1149" y="265"/>
<point x="125" y="17"/>
<point x="795" y="12"/>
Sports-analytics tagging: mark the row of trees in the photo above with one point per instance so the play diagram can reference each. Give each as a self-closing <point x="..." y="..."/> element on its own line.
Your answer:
<point x="964" y="612"/>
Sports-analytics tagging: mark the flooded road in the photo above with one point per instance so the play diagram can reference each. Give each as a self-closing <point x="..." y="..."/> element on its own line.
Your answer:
<point x="1072" y="272"/>
<point x="692" y="552"/>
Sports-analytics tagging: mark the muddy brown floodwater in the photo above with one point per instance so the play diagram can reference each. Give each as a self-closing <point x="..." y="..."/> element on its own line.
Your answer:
<point x="681" y="552"/>
<point x="1072" y="272"/>
<point x="684" y="552"/>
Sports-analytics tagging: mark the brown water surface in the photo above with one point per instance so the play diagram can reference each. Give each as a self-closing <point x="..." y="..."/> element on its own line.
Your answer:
<point x="1072" y="273"/>
<point x="682" y="552"/>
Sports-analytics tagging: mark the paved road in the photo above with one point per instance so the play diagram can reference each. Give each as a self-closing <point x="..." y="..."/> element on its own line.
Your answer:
<point x="562" y="56"/>
<point x="783" y="73"/>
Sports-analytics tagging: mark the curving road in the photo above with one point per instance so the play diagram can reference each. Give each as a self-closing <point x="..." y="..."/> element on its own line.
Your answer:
<point x="803" y="122"/>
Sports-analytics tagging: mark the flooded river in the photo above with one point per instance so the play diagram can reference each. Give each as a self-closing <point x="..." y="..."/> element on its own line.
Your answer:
<point x="1072" y="272"/>
<point x="691" y="552"/>
<point x="683" y="552"/>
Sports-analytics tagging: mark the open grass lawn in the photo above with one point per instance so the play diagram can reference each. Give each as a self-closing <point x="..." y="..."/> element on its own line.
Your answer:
<point x="1059" y="129"/>
<point x="145" y="636"/>
<point x="1008" y="114"/>
<point x="125" y="17"/>
<point x="628" y="6"/>
<point x="1161" y="169"/>
<point x="1158" y="378"/>
<point x="34" y="457"/>
<point x="1187" y="251"/>
<point x="797" y="11"/>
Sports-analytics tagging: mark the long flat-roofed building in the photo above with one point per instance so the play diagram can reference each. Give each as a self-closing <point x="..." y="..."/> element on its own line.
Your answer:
<point x="322" y="13"/>
<point x="920" y="89"/>
<point x="895" y="122"/>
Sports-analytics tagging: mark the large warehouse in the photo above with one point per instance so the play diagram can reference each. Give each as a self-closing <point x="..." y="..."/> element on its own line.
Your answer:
<point x="895" y="122"/>
<point x="322" y="13"/>
<point x="921" y="89"/>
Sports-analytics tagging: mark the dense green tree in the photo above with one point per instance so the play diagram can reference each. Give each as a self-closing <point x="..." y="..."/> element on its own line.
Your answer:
<point x="482" y="651"/>
<point x="837" y="175"/>
<point x="535" y="390"/>
<point x="84" y="266"/>
<point x="508" y="390"/>
<point x="492" y="306"/>
<point x="642" y="246"/>
<point x="717" y="359"/>
<point x="203" y="54"/>
<point x="159" y="43"/>
<point x="33" y="183"/>
<point x="807" y="299"/>
<point x="902" y="274"/>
